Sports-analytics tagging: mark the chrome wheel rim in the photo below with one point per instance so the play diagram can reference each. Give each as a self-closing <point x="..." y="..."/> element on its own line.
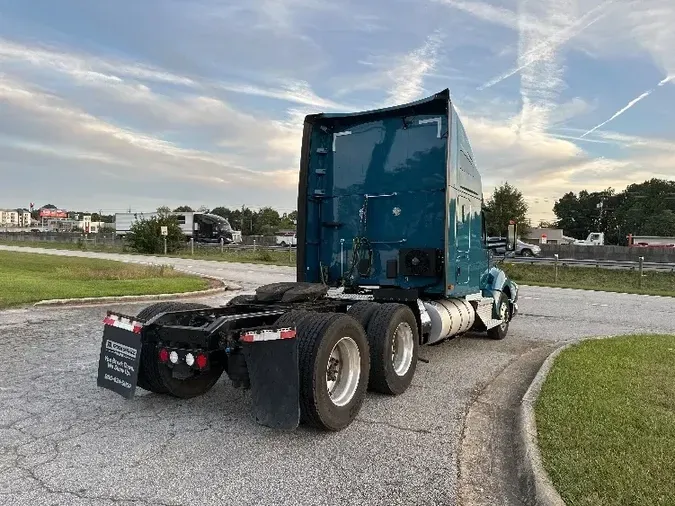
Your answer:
<point x="503" y="315"/>
<point x="402" y="349"/>
<point x="343" y="371"/>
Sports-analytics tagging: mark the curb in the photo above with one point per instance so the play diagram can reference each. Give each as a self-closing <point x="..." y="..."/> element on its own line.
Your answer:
<point x="545" y="494"/>
<point x="142" y="298"/>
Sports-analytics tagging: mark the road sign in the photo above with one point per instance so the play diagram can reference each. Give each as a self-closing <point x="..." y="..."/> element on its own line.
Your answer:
<point x="544" y="238"/>
<point x="165" y="230"/>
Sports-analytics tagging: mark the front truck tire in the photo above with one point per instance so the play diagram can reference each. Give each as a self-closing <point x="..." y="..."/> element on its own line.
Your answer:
<point x="334" y="365"/>
<point x="503" y="312"/>
<point x="156" y="377"/>
<point x="394" y="346"/>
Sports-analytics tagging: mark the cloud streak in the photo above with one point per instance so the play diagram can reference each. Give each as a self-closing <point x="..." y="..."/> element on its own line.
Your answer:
<point x="498" y="15"/>
<point x="553" y="43"/>
<point x="409" y="73"/>
<point x="299" y="92"/>
<point x="628" y="106"/>
<point x="666" y="80"/>
<point x="85" y="67"/>
<point x="397" y="78"/>
<point x="541" y="80"/>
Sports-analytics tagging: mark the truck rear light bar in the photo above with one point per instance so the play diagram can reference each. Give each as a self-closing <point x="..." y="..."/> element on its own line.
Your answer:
<point x="200" y="360"/>
<point x="123" y="323"/>
<point x="254" y="336"/>
<point x="195" y="359"/>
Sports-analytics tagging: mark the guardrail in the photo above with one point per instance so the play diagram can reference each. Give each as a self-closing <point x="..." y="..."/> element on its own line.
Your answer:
<point x="616" y="253"/>
<point x="605" y="264"/>
<point x="240" y="246"/>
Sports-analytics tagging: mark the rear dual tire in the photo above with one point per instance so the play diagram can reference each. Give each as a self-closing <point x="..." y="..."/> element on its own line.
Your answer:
<point x="393" y="335"/>
<point x="334" y="366"/>
<point x="363" y="311"/>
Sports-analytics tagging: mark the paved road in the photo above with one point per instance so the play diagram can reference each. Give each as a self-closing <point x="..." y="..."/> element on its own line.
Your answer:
<point x="64" y="441"/>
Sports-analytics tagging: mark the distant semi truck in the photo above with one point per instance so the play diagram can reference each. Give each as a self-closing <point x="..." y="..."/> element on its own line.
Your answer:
<point x="202" y="227"/>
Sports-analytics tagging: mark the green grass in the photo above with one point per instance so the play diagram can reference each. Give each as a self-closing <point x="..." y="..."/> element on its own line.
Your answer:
<point x="592" y="278"/>
<point x="259" y="256"/>
<point x="67" y="245"/>
<point x="606" y="422"/>
<point x="30" y="277"/>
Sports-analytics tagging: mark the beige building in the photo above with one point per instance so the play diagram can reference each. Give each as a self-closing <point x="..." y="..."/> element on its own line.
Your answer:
<point x="88" y="226"/>
<point x="11" y="218"/>
<point x="546" y="236"/>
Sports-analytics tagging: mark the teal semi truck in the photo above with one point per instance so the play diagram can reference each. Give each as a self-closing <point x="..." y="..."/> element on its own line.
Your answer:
<point x="392" y="256"/>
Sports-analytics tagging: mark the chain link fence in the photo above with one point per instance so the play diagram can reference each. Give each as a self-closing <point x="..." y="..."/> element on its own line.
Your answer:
<point x="256" y="249"/>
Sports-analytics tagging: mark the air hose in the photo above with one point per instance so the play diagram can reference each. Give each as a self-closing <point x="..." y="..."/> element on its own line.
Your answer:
<point x="361" y="249"/>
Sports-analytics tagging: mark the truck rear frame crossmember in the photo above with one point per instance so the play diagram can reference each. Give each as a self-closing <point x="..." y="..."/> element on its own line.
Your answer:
<point x="224" y="321"/>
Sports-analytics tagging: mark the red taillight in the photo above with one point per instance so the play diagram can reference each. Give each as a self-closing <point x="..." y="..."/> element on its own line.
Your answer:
<point x="201" y="361"/>
<point x="163" y="355"/>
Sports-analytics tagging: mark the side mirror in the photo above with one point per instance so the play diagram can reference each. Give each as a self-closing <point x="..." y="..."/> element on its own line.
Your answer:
<point x="511" y="237"/>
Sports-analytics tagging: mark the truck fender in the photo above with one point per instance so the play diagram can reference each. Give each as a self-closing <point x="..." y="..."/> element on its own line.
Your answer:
<point x="495" y="283"/>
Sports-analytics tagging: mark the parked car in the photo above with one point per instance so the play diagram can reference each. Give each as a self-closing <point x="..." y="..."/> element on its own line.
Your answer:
<point x="522" y="248"/>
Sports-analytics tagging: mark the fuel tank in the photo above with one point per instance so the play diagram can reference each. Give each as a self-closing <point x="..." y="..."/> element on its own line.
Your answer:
<point x="449" y="317"/>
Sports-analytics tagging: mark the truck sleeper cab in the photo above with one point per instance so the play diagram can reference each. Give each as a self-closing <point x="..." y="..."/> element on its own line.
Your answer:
<point x="392" y="255"/>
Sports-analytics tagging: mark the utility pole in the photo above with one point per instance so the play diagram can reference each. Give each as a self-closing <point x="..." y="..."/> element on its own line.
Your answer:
<point x="600" y="206"/>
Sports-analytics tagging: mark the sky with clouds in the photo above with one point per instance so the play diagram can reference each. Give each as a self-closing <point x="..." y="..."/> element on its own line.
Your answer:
<point x="118" y="104"/>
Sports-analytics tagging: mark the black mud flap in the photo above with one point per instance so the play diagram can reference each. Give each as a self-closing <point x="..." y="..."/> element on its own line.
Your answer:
<point x="275" y="382"/>
<point x="119" y="360"/>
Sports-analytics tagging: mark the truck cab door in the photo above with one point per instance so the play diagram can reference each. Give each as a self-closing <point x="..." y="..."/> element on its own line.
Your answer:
<point x="462" y="241"/>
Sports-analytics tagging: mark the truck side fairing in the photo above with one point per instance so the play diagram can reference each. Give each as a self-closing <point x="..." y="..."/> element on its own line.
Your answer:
<point x="467" y="259"/>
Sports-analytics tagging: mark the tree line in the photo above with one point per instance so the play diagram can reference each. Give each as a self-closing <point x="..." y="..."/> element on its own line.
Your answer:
<point x="646" y="208"/>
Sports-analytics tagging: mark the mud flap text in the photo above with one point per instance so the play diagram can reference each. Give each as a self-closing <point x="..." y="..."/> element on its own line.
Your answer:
<point x="119" y="361"/>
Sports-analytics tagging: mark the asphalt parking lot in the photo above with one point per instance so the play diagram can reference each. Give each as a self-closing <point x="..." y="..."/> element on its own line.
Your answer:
<point x="65" y="441"/>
